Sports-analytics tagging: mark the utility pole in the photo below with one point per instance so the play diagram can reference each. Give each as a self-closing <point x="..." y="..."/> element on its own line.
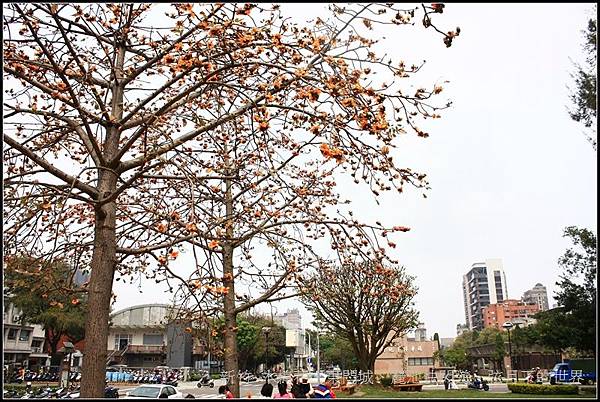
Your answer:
<point x="318" y="359"/>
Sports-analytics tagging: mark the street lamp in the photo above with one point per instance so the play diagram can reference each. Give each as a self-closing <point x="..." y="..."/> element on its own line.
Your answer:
<point x="508" y="326"/>
<point x="68" y="349"/>
<point x="266" y="331"/>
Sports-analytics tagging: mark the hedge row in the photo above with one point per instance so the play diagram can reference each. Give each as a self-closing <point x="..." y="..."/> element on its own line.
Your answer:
<point x="541" y="389"/>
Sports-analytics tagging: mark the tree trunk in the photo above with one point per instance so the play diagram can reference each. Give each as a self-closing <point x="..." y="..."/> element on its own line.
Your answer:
<point x="230" y="350"/>
<point x="100" y="293"/>
<point x="104" y="257"/>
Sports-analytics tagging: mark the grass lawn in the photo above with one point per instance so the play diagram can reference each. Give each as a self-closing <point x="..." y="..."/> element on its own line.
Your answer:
<point x="374" y="391"/>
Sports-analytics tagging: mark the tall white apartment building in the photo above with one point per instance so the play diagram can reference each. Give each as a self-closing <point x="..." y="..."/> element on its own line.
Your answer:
<point x="484" y="284"/>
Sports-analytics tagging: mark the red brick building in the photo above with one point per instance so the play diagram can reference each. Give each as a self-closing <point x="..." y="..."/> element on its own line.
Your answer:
<point x="495" y="315"/>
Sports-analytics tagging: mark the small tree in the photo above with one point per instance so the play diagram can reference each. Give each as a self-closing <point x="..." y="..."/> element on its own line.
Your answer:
<point x="577" y="289"/>
<point x="48" y="297"/>
<point x="366" y="303"/>
<point x="583" y="98"/>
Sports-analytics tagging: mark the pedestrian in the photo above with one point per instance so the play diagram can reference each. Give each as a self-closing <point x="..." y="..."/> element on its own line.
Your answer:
<point x="283" y="392"/>
<point x="446" y="382"/>
<point x="224" y="390"/>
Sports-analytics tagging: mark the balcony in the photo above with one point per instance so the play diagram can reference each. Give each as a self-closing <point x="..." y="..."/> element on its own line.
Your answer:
<point x="145" y="349"/>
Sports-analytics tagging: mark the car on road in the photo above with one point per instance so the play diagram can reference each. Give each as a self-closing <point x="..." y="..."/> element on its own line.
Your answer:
<point x="154" y="391"/>
<point x="313" y="379"/>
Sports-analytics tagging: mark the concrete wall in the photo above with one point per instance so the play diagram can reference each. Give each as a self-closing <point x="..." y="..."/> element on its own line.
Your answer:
<point x="179" y="345"/>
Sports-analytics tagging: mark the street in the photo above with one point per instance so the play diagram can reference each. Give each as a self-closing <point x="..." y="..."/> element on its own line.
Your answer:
<point x="190" y="387"/>
<point x="253" y="388"/>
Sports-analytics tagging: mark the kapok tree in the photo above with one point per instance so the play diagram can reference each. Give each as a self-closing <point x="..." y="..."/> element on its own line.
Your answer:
<point x="367" y="303"/>
<point x="126" y="134"/>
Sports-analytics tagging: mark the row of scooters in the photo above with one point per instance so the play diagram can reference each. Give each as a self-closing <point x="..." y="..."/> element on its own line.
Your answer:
<point x="32" y="376"/>
<point x="171" y="378"/>
<point x="54" y="393"/>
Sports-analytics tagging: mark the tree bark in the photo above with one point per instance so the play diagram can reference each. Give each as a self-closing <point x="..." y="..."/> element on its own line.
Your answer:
<point x="100" y="293"/>
<point x="230" y="351"/>
<point x="104" y="257"/>
<point x="231" y="354"/>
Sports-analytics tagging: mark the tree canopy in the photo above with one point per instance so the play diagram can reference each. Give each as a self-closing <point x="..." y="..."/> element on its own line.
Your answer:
<point x="366" y="303"/>
<point x="573" y="323"/>
<point x="135" y="130"/>
<point x="583" y="97"/>
<point x="46" y="296"/>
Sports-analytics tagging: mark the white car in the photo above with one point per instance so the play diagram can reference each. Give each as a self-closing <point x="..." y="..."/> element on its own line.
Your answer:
<point x="313" y="379"/>
<point x="154" y="391"/>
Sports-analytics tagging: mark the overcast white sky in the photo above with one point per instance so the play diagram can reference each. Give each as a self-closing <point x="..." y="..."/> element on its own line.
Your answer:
<point x="508" y="168"/>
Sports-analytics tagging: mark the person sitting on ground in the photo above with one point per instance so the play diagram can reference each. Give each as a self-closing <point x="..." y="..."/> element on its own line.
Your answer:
<point x="224" y="390"/>
<point x="283" y="392"/>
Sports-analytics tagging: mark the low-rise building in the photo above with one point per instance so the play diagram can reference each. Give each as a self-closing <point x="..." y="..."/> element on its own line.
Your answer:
<point x="23" y="344"/>
<point x="495" y="315"/>
<point x="446" y="342"/>
<point x="409" y="356"/>
<point x="149" y="335"/>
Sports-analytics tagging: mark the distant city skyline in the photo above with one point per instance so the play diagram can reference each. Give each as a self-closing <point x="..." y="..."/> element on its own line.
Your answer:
<point x="508" y="168"/>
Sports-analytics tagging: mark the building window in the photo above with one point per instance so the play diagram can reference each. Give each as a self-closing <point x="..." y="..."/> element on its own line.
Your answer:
<point x="122" y="340"/>
<point x="153" y="339"/>
<point x="24" y="336"/>
<point x="12" y="333"/>
<point x="420" y="361"/>
<point x="36" y="343"/>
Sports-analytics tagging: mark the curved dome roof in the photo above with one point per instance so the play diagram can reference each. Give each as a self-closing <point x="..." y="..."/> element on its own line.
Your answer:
<point x="143" y="315"/>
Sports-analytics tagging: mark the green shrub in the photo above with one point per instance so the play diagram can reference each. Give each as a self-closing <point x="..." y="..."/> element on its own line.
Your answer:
<point x="420" y="376"/>
<point x="542" y="389"/>
<point x="386" y="380"/>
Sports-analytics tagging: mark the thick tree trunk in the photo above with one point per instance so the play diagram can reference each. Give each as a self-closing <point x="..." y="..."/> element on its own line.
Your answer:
<point x="104" y="257"/>
<point x="99" y="296"/>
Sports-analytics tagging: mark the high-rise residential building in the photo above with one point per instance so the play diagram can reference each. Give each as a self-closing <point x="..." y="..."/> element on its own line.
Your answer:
<point x="514" y="311"/>
<point x="537" y="295"/>
<point x="484" y="284"/>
